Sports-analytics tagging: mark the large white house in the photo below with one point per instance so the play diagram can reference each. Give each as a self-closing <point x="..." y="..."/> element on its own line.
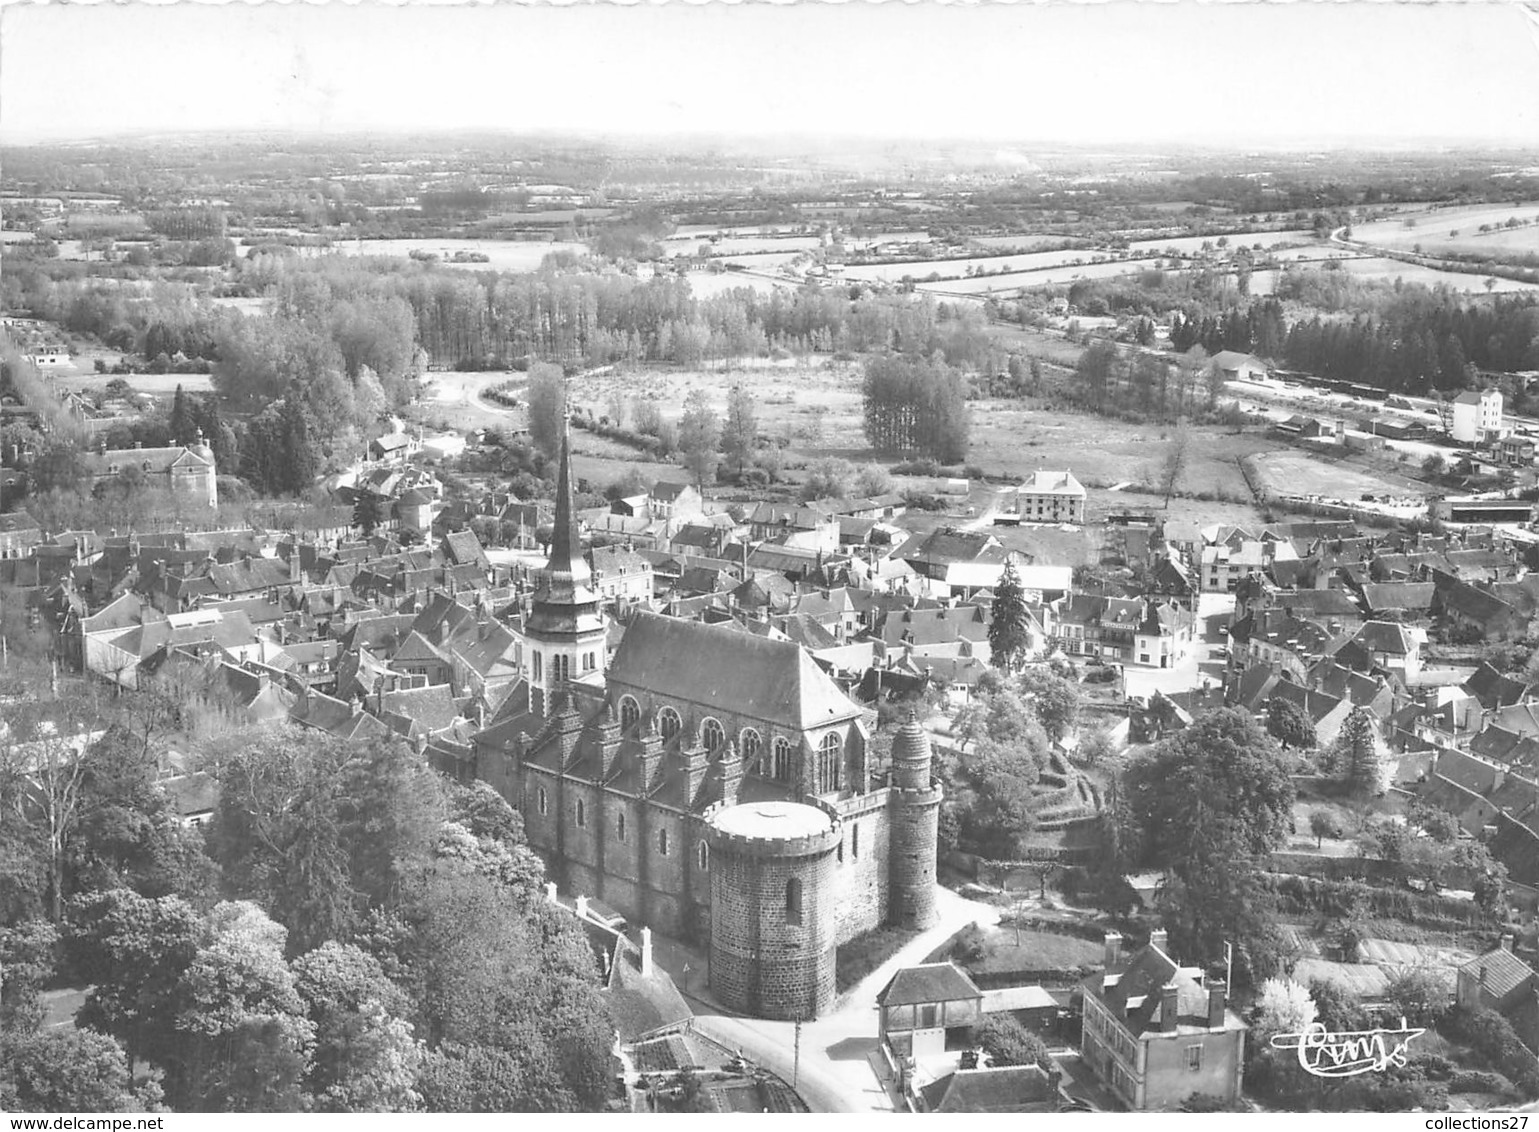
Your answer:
<point x="1051" y="497"/>
<point x="1477" y="417"/>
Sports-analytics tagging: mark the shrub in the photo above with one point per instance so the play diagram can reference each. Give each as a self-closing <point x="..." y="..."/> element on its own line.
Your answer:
<point x="968" y="945"/>
<point x="1475" y="1081"/>
<point x="1007" y="1042"/>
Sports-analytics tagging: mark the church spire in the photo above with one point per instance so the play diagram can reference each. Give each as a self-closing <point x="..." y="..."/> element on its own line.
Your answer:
<point x="565" y="602"/>
<point x="566" y="560"/>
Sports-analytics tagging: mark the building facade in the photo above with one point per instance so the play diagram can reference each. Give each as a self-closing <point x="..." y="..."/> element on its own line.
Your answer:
<point x="712" y="784"/>
<point x="1051" y="497"/>
<point x="1477" y="417"/>
<point x="189" y="472"/>
<point x="1155" y="1034"/>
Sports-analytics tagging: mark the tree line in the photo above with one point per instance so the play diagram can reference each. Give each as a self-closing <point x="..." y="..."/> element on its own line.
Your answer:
<point x="351" y="931"/>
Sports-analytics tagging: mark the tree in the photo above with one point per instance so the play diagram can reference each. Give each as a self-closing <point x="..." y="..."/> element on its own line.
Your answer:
<point x="1174" y="466"/>
<point x="1054" y="700"/>
<point x="1095" y="746"/>
<point x="741" y="435"/>
<point x="700" y="437"/>
<point x="1009" y="621"/>
<point x="69" y="1070"/>
<point x="246" y="1041"/>
<point x="872" y="480"/>
<point x="1210" y="803"/>
<point x="26" y="964"/>
<point x="1284" y="1007"/>
<point x="915" y="405"/>
<point x="366" y="1059"/>
<point x="547" y="408"/>
<point x="1359" y="756"/>
<point x="367" y="512"/>
<point x="182" y="427"/>
<point x="1420" y="994"/>
<point x="1337" y="1009"/>
<point x="1323" y="824"/>
<point x="1220" y="782"/>
<point x="1005" y="1041"/>
<point x="829" y="478"/>
<point x="134" y="953"/>
<point x="300" y="462"/>
<point x="1289" y="724"/>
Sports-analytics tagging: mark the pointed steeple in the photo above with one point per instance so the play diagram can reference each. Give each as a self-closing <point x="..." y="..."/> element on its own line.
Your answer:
<point x="565" y="602"/>
<point x="566" y="567"/>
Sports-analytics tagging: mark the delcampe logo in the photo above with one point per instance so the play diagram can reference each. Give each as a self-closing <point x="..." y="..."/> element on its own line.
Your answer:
<point x="1348" y="1054"/>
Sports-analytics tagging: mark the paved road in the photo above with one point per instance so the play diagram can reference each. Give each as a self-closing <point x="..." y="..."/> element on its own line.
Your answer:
<point x="1203" y="662"/>
<point x="835" y="1071"/>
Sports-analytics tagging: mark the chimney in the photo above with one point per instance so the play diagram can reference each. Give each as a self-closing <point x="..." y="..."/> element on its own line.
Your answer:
<point x="646" y="952"/>
<point x="1112" y="958"/>
<point x="582" y="907"/>
<point x="1218" y="1003"/>
<point x="1159" y="940"/>
<point x="1168" y="1008"/>
<point x="1507" y="941"/>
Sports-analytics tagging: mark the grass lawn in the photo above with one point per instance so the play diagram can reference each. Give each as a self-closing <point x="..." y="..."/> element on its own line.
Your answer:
<point x="1030" y="950"/>
<point x="865" y="953"/>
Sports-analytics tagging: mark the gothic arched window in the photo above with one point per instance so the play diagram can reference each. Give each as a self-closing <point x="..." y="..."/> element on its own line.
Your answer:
<point x="782" y="767"/>
<point x="712" y="734"/>
<point x="669" y="723"/>
<point x="750" y="743"/>
<point x="630" y="712"/>
<point x="830" y="761"/>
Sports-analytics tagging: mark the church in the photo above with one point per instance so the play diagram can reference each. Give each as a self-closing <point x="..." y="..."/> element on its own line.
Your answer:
<point x="700" y="740"/>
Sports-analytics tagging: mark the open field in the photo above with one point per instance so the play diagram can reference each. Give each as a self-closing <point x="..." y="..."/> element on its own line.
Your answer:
<point x="1297" y="473"/>
<point x="1021" y="280"/>
<point x="705" y="284"/>
<point x="742" y="245"/>
<point x="1429" y="276"/>
<point x="1434" y="230"/>
<point x="1185" y="245"/>
<point x="152" y="383"/>
<point x="1014" y="441"/>
<point x="791" y="399"/>
<point x="957" y="268"/>
<point x="1022" y="243"/>
<point x="503" y="255"/>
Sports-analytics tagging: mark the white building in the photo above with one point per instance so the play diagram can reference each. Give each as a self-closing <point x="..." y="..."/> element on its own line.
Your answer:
<point x="1051" y="497"/>
<point x="1477" y="417"/>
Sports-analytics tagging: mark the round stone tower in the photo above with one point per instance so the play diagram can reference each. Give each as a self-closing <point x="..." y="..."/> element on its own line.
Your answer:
<point x="772" y="908"/>
<point x="914" y="824"/>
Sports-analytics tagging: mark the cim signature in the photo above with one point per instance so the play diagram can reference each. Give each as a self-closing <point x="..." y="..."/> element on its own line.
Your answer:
<point x="1347" y="1054"/>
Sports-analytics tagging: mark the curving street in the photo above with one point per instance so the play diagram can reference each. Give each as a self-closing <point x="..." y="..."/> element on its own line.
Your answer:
<point x="838" y="1068"/>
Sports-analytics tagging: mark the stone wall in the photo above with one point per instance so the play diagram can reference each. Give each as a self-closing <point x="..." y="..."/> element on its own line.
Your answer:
<point x="765" y="960"/>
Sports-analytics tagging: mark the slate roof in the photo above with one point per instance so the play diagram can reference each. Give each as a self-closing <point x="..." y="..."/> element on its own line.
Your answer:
<point x="1135" y="996"/>
<point x="1003" y="1089"/>
<point x="1498" y="973"/>
<point x="424" y="709"/>
<point x="928" y="982"/>
<point x="773" y="681"/>
<point x="1415" y="597"/>
<point x="463" y="548"/>
<point x="1495" y="690"/>
<point x="1385" y="637"/>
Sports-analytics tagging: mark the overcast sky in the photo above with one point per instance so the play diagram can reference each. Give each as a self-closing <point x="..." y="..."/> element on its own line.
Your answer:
<point x="1246" y="73"/>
